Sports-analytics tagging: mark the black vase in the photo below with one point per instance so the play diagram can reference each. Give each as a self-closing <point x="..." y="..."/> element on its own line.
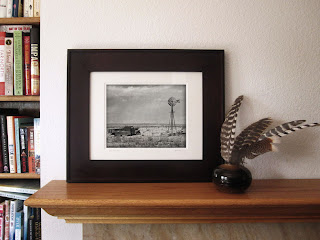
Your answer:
<point x="232" y="178"/>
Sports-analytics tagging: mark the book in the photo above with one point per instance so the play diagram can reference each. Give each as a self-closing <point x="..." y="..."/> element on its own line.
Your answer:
<point x="11" y="144"/>
<point x="28" y="8"/>
<point x="7" y="220"/>
<point x="1" y="158"/>
<point x="19" y="196"/>
<point x="29" y="186"/>
<point x="37" y="223"/>
<point x="18" y="231"/>
<point x="15" y="206"/>
<point x="35" y="61"/>
<point x="31" y="234"/>
<point x="9" y="8"/>
<point x="12" y="28"/>
<point x="2" y="62"/>
<point x="15" y="7"/>
<point x="31" y="157"/>
<point x="3" y="8"/>
<point x="4" y="143"/>
<point x="9" y="64"/>
<point x="26" y="215"/>
<point x="27" y="63"/>
<point x="17" y="61"/>
<point x="2" y="219"/>
<point x="17" y="124"/>
<point x="24" y="150"/>
<point x="37" y="144"/>
<point x="36" y="8"/>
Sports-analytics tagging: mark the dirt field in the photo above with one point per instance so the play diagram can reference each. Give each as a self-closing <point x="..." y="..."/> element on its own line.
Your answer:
<point x="150" y="137"/>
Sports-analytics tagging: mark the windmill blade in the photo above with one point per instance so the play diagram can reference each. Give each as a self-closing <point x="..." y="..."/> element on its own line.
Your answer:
<point x="228" y="129"/>
<point x="248" y="137"/>
<point x="281" y="129"/>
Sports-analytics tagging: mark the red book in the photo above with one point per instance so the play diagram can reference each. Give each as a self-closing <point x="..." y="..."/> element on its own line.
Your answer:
<point x="31" y="157"/>
<point x="2" y="63"/>
<point x="27" y="64"/>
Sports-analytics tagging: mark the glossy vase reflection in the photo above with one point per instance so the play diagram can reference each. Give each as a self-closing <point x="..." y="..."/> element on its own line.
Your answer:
<point x="232" y="178"/>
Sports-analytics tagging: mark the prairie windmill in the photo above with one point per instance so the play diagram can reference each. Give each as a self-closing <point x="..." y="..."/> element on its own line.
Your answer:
<point x="172" y="124"/>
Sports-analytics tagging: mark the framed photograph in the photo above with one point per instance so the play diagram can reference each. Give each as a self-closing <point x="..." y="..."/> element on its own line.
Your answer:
<point x="144" y="115"/>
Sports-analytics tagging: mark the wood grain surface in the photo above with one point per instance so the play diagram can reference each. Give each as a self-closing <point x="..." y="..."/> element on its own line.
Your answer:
<point x="265" y="201"/>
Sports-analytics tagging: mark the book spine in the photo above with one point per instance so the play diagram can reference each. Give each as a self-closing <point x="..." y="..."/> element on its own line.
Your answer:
<point x="28" y="8"/>
<point x="18" y="226"/>
<point x="24" y="150"/>
<point x="12" y="28"/>
<point x="3" y="8"/>
<point x="4" y="143"/>
<point x="9" y="64"/>
<point x="27" y="64"/>
<point x="2" y="63"/>
<point x="26" y="214"/>
<point x="20" y="196"/>
<point x="15" y="7"/>
<point x="37" y="144"/>
<point x="36" y="8"/>
<point x="37" y="223"/>
<point x="18" y="67"/>
<point x="31" y="158"/>
<point x="7" y="220"/>
<point x="11" y="144"/>
<point x="2" y="220"/>
<point x="12" y="218"/>
<point x="35" y="61"/>
<point x="17" y="144"/>
<point x="20" y="8"/>
<point x="9" y="8"/>
<point x="1" y="158"/>
<point x="31" y="235"/>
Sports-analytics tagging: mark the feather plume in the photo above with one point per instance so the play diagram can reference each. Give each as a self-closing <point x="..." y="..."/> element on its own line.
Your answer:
<point x="281" y="129"/>
<point x="248" y="137"/>
<point x="266" y="144"/>
<point x="228" y="129"/>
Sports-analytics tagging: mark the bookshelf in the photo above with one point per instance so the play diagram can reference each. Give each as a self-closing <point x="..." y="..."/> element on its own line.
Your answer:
<point x="27" y="105"/>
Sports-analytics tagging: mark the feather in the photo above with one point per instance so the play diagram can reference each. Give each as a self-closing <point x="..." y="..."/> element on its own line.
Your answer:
<point x="228" y="129"/>
<point x="259" y="148"/>
<point x="281" y="129"/>
<point x="266" y="144"/>
<point x="248" y="137"/>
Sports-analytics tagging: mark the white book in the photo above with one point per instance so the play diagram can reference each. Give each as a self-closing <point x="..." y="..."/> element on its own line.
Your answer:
<point x="2" y="63"/>
<point x="36" y="8"/>
<point x="37" y="144"/>
<point x="28" y="8"/>
<point x="26" y="215"/>
<point x="9" y="65"/>
<point x="19" y="196"/>
<point x="9" y="8"/>
<point x="11" y="144"/>
<point x="15" y="206"/>
<point x="3" y="8"/>
<point x="12" y="28"/>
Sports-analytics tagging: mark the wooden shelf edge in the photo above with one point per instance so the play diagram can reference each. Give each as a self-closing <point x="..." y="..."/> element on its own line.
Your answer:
<point x="19" y="98"/>
<point x="19" y="176"/>
<point x="134" y="203"/>
<point x="20" y="20"/>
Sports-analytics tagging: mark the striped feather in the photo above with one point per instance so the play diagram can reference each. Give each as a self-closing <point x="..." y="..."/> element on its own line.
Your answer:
<point x="258" y="148"/>
<point x="228" y="129"/>
<point x="248" y="137"/>
<point x="281" y="129"/>
<point x="281" y="134"/>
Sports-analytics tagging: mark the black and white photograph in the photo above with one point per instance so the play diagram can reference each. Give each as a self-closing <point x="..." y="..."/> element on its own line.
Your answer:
<point x="146" y="116"/>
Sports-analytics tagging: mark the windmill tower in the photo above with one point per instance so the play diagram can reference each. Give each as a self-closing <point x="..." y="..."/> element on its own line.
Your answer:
<point x="172" y="124"/>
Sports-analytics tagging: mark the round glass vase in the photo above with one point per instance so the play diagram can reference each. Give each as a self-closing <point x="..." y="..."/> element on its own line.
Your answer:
<point x="231" y="178"/>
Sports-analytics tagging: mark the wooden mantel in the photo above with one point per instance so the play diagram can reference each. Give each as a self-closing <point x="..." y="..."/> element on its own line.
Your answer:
<point x="265" y="201"/>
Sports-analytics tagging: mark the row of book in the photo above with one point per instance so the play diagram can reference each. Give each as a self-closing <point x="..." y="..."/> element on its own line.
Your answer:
<point x="19" y="60"/>
<point x="20" y="143"/>
<point x="19" y="8"/>
<point x="17" y="221"/>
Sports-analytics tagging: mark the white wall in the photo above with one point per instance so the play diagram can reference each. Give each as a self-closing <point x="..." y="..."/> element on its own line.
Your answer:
<point x="272" y="52"/>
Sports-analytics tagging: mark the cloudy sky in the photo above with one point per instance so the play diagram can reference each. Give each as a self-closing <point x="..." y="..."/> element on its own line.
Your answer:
<point x="144" y="103"/>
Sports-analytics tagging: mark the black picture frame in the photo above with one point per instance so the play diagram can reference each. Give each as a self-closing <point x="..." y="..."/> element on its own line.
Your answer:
<point x="82" y="62"/>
